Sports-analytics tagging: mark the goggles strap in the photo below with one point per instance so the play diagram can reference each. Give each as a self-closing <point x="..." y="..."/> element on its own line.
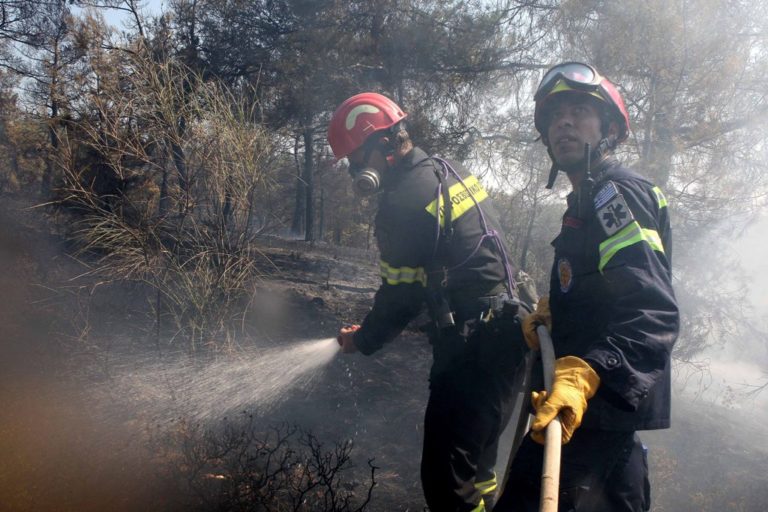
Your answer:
<point x="576" y="75"/>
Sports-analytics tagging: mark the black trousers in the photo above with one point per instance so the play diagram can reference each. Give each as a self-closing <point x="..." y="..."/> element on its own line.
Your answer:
<point x="469" y="405"/>
<point x="600" y="471"/>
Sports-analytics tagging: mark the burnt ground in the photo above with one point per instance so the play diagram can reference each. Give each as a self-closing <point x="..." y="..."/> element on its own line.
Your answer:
<point x="75" y="436"/>
<point x="79" y="422"/>
<point x="375" y="401"/>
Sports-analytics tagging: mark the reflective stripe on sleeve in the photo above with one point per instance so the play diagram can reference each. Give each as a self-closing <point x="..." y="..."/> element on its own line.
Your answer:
<point x="480" y="507"/>
<point x="402" y="275"/>
<point x="487" y="486"/>
<point x="660" y="197"/>
<point x="461" y="198"/>
<point x="630" y="235"/>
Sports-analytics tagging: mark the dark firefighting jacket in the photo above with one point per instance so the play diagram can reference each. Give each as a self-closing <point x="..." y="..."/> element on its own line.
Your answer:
<point x="612" y="300"/>
<point x="416" y="261"/>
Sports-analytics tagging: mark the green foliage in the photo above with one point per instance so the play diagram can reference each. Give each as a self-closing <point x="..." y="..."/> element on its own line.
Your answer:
<point x="692" y="74"/>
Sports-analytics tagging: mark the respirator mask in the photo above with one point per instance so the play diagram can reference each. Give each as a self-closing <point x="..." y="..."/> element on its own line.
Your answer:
<point x="366" y="181"/>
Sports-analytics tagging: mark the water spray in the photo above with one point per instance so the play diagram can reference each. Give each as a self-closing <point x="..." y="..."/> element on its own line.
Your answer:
<point x="258" y="380"/>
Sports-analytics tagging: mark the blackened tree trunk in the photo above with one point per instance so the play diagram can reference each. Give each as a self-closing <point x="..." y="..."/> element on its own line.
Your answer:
<point x="309" y="157"/>
<point x="529" y="233"/>
<point x="298" y="211"/>
<point x="321" y="223"/>
<point x="47" y="179"/>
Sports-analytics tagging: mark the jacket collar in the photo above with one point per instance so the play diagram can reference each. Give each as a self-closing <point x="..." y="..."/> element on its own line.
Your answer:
<point x="599" y="174"/>
<point x="411" y="159"/>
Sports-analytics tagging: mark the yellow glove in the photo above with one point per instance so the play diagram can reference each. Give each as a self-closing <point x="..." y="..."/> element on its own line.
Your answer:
<point x="575" y="382"/>
<point x="541" y="316"/>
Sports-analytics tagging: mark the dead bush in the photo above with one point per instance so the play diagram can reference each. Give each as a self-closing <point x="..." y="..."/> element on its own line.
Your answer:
<point x="237" y="467"/>
<point x="165" y="183"/>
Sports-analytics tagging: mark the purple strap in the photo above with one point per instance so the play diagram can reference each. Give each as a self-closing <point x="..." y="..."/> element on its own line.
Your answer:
<point x="487" y="233"/>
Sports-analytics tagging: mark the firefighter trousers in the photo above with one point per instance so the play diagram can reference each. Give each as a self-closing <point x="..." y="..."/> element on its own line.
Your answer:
<point x="469" y="405"/>
<point x="600" y="471"/>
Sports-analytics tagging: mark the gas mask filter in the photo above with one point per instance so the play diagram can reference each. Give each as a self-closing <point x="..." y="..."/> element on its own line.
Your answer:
<point x="366" y="181"/>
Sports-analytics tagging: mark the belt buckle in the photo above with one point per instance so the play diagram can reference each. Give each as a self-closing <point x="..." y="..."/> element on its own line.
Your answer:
<point x="497" y="301"/>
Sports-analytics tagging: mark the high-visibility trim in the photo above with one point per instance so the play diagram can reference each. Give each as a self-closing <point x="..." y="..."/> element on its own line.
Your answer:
<point x="487" y="486"/>
<point x="562" y="86"/>
<point x="660" y="197"/>
<point x="402" y="275"/>
<point x="461" y="199"/>
<point x="630" y="235"/>
<point x="480" y="507"/>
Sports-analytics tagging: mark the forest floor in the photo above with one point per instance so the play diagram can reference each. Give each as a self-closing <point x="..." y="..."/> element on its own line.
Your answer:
<point x="88" y="401"/>
<point x="91" y="400"/>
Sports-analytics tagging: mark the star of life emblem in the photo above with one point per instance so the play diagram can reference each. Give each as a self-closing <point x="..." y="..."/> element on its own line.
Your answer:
<point x="615" y="215"/>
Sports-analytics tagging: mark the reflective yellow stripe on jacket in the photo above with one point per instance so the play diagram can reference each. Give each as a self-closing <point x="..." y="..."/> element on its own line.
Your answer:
<point x="402" y="275"/>
<point x="630" y="235"/>
<point x="461" y="199"/>
<point x="487" y="486"/>
<point x="480" y="507"/>
<point x="660" y="197"/>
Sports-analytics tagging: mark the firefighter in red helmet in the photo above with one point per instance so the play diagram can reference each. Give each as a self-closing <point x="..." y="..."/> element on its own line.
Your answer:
<point x="440" y="246"/>
<point x="611" y="307"/>
<point x="350" y="131"/>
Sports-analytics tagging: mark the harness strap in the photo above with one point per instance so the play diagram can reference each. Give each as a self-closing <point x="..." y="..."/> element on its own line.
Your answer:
<point x="444" y="193"/>
<point x="445" y="231"/>
<point x="487" y="232"/>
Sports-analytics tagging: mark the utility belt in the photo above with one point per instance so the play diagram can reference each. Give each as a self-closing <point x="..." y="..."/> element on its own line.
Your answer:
<point x="486" y="307"/>
<point x="447" y="316"/>
<point x="483" y="329"/>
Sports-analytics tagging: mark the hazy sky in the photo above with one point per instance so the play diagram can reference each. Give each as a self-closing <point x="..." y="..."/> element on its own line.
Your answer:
<point x="752" y="249"/>
<point x="739" y="365"/>
<point x="150" y="7"/>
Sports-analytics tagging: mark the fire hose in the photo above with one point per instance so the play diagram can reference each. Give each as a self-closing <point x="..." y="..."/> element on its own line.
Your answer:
<point x="550" y="474"/>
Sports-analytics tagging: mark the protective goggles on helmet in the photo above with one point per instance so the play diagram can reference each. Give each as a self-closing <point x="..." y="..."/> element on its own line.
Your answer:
<point x="569" y="76"/>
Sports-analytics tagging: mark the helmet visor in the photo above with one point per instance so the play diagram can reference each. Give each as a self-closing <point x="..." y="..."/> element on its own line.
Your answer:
<point x="575" y="74"/>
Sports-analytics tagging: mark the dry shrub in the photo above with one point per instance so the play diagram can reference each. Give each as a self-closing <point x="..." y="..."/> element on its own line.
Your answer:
<point x="164" y="183"/>
<point x="237" y="467"/>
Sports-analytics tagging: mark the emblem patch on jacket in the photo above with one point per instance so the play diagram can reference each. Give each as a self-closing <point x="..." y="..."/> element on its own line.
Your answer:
<point x="608" y="192"/>
<point x="613" y="214"/>
<point x="565" y="273"/>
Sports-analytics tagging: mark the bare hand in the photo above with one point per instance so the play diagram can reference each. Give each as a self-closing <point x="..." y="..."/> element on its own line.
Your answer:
<point x="346" y="338"/>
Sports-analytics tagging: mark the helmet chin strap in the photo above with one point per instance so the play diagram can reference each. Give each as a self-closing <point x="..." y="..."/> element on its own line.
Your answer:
<point x="596" y="157"/>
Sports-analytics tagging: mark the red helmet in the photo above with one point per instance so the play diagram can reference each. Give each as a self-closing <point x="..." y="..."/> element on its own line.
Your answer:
<point x="576" y="77"/>
<point x="357" y="118"/>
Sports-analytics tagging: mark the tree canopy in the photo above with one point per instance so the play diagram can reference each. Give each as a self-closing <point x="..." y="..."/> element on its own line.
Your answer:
<point x="150" y="110"/>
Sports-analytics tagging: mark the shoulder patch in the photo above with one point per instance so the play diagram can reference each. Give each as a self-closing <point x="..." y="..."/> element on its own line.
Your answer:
<point x="608" y="192"/>
<point x="614" y="215"/>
